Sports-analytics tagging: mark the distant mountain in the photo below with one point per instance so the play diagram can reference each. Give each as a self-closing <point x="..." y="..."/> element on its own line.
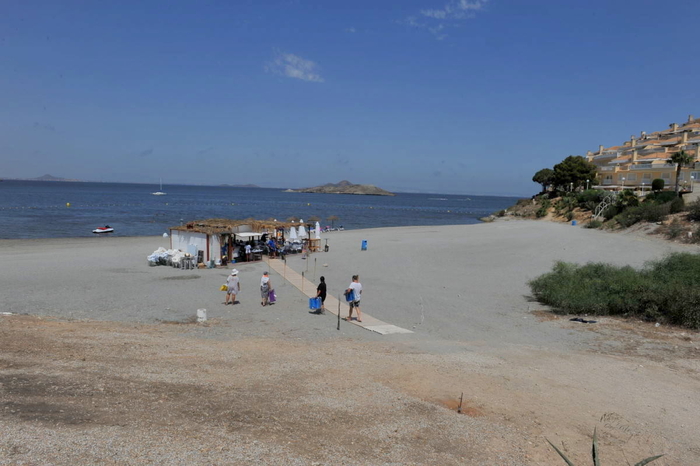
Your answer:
<point x="51" y="178"/>
<point x="345" y="187"/>
<point x="239" y="186"/>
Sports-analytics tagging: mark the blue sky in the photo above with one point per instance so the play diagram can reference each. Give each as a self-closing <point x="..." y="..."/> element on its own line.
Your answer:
<point x="447" y="96"/>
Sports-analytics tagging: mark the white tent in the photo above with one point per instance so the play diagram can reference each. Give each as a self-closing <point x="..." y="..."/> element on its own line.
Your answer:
<point x="317" y="231"/>
<point x="292" y="233"/>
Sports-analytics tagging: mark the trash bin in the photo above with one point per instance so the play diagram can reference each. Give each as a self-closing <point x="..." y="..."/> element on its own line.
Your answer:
<point x="364" y="245"/>
<point x="573" y="223"/>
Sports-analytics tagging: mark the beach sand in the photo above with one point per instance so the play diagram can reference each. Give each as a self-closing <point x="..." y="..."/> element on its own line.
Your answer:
<point x="104" y="364"/>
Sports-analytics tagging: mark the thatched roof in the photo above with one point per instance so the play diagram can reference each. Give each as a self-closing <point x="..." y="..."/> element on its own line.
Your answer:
<point x="215" y="226"/>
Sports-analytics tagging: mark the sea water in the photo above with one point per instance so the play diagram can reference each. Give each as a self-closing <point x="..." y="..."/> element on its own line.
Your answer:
<point x="36" y="209"/>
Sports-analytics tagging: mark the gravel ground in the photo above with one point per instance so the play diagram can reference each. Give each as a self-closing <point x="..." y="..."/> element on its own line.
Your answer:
<point x="104" y="365"/>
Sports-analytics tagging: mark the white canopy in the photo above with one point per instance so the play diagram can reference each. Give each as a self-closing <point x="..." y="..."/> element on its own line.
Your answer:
<point x="247" y="235"/>
<point x="317" y="231"/>
<point x="302" y="232"/>
<point x="292" y="233"/>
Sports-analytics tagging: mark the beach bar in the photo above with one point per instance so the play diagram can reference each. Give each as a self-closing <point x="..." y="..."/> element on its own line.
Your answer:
<point x="213" y="239"/>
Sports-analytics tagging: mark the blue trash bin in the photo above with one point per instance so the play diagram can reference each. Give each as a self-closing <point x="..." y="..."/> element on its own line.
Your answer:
<point x="364" y="244"/>
<point x="573" y="223"/>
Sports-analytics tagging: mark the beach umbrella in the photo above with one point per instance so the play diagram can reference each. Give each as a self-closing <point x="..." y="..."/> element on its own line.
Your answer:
<point x="302" y="231"/>
<point x="292" y="233"/>
<point x="318" y="231"/>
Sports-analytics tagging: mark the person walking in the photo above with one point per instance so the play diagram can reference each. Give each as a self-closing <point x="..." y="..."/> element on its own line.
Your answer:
<point x="355" y="288"/>
<point x="248" y="252"/>
<point x="265" y="288"/>
<point x="233" y="287"/>
<point x="321" y="293"/>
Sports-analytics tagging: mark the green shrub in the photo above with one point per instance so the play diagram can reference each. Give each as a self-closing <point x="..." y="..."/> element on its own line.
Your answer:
<point x="660" y="197"/>
<point x="501" y="213"/>
<point x="694" y="210"/>
<point x="593" y="224"/>
<point x="567" y="203"/>
<point x="569" y="216"/>
<point x="589" y="205"/>
<point x="667" y="290"/>
<point x="611" y="211"/>
<point x="541" y="212"/>
<point x="645" y="212"/>
<point x="655" y="213"/>
<point x="627" y="198"/>
<point x="677" y="205"/>
<point x="590" y="195"/>
<point x="657" y="185"/>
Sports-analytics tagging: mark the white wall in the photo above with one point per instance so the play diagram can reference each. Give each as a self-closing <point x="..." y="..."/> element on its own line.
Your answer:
<point x="182" y="239"/>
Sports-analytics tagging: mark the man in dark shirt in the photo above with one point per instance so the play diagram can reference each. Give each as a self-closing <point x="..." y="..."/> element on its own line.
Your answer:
<point x="321" y="293"/>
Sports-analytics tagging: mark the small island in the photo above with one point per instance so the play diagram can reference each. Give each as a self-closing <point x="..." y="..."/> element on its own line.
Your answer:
<point x="345" y="187"/>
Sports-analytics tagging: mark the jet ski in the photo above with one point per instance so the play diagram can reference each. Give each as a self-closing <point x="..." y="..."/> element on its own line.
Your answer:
<point x="104" y="229"/>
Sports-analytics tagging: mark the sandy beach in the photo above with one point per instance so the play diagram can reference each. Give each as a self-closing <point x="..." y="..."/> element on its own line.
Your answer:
<point x="101" y="362"/>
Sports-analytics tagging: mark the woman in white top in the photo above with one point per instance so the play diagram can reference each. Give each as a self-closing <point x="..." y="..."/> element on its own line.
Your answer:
<point x="265" y="288"/>
<point x="233" y="287"/>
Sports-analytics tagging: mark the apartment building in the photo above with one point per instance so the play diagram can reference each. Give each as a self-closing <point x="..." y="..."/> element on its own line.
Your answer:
<point x="642" y="159"/>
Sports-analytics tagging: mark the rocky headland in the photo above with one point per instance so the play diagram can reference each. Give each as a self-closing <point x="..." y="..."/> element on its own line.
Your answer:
<point x="345" y="187"/>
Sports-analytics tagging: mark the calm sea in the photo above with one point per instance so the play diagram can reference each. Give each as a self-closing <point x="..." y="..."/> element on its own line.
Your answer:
<point x="34" y="209"/>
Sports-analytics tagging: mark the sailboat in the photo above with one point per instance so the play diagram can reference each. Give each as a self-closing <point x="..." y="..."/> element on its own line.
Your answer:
<point x="160" y="192"/>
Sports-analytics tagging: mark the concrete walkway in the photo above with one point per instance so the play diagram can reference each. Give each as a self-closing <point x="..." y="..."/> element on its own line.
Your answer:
<point x="309" y="289"/>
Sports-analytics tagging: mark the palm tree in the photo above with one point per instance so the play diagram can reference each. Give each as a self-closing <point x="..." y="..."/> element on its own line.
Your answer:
<point x="681" y="159"/>
<point x="332" y="219"/>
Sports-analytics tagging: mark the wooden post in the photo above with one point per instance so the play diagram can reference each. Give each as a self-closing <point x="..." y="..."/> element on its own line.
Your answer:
<point x="338" y="313"/>
<point x="302" y="282"/>
<point x="314" y="269"/>
<point x="285" y="268"/>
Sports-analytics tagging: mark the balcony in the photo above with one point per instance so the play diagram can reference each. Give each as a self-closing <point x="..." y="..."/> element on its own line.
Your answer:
<point x="642" y="167"/>
<point x="606" y="155"/>
<point x="607" y="169"/>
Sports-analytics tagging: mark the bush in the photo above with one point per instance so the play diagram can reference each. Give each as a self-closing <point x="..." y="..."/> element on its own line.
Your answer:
<point x="567" y="203"/>
<point x="541" y="212"/>
<point x="658" y="185"/>
<point x="677" y="205"/>
<point x="645" y="212"/>
<point x="694" y="210"/>
<point x="667" y="290"/>
<point x="626" y="199"/>
<point x="502" y="213"/>
<point x="590" y="195"/>
<point x="611" y="211"/>
<point x="661" y="197"/>
<point x="593" y="224"/>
